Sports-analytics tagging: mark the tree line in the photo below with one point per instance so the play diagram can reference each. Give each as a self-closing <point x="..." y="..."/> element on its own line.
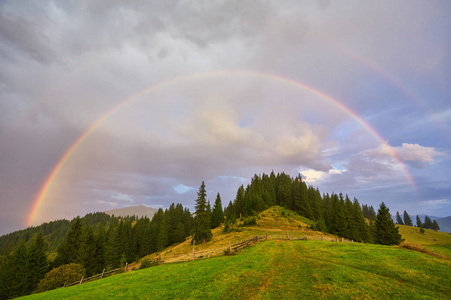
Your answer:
<point x="94" y="242"/>
<point x="406" y="220"/>
<point x="333" y="213"/>
<point x="54" y="232"/>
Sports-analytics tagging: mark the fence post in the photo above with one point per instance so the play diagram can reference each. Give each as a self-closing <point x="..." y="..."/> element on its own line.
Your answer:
<point x="126" y="267"/>
<point x="81" y="280"/>
<point x="103" y="272"/>
<point x="159" y="258"/>
<point x="230" y="247"/>
<point x="342" y="239"/>
<point x="194" y="244"/>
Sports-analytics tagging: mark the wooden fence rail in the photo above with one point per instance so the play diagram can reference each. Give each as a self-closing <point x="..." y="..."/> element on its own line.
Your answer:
<point x="98" y="276"/>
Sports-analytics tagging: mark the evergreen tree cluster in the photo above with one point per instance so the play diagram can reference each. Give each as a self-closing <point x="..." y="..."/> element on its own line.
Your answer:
<point x="428" y="223"/>
<point x="369" y="212"/>
<point x="54" y="232"/>
<point x="21" y="271"/>
<point x="333" y="213"/>
<point x="405" y="220"/>
<point x="123" y="240"/>
<point x="94" y="242"/>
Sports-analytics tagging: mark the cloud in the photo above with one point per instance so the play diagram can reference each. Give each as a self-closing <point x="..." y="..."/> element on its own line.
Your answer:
<point x="21" y="36"/>
<point x="182" y="189"/>
<point x="417" y="154"/>
<point x="313" y="176"/>
<point x="122" y="197"/>
<point x="438" y="202"/>
<point x="412" y="154"/>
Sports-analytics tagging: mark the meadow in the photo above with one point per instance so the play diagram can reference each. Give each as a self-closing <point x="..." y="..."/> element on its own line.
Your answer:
<point x="282" y="269"/>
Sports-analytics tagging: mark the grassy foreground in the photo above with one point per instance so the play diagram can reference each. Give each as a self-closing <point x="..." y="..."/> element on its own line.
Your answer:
<point x="282" y="270"/>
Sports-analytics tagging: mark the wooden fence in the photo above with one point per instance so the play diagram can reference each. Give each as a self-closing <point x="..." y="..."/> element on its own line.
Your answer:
<point x="99" y="276"/>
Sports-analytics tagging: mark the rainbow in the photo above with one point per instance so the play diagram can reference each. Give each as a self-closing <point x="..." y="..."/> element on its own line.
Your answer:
<point x="70" y="151"/>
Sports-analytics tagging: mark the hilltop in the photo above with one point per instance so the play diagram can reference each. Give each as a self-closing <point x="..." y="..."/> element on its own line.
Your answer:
<point x="275" y="221"/>
<point x="279" y="267"/>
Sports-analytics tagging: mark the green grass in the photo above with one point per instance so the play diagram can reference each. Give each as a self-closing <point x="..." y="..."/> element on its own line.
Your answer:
<point x="282" y="270"/>
<point x="437" y="241"/>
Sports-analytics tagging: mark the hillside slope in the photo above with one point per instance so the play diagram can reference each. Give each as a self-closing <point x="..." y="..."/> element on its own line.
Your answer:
<point x="279" y="269"/>
<point x="275" y="221"/>
<point x="437" y="241"/>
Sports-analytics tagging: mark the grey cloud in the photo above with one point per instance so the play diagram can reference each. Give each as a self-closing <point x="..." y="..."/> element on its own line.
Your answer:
<point x="21" y="36"/>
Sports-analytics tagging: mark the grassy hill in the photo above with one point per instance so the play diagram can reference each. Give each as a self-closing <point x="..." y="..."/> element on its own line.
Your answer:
<point x="278" y="268"/>
<point x="275" y="221"/>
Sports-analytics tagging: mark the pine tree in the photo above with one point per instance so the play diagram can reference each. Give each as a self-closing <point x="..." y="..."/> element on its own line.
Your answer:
<point x="14" y="282"/>
<point x="162" y="237"/>
<point x="202" y="228"/>
<point x="239" y="202"/>
<point x="100" y="241"/>
<point x="386" y="232"/>
<point x="339" y="224"/>
<point x="398" y="219"/>
<point x="218" y="214"/>
<point x="362" y="233"/>
<point x="407" y="219"/>
<point x="37" y="263"/>
<point x="435" y="225"/>
<point x="427" y="223"/>
<point x="419" y="224"/>
<point x="69" y="250"/>
<point x="371" y="213"/>
<point x="300" y="194"/>
<point x="88" y="253"/>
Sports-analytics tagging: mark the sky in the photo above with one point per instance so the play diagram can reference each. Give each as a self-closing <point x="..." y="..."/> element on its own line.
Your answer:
<point x="107" y="104"/>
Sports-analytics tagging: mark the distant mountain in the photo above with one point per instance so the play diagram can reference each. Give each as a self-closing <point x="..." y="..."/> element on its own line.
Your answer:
<point x="445" y="224"/>
<point x="139" y="211"/>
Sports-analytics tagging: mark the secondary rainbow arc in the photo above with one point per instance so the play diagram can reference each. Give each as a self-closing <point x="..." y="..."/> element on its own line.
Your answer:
<point x="66" y="156"/>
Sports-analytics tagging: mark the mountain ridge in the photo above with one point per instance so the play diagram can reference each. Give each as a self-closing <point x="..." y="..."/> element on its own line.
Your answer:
<point x="139" y="211"/>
